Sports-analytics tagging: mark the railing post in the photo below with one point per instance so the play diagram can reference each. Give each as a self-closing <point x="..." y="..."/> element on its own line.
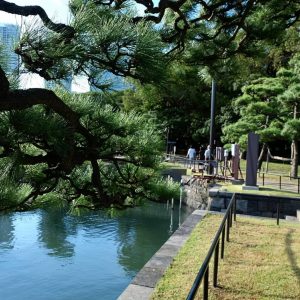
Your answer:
<point x="231" y="213"/>
<point x="205" y="285"/>
<point x="223" y="243"/>
<point x="263" y="183"/>
<point x="234" y="210"/>
<point x="280" y="182"/>
<point x="216" y="265"/>
<point x="298" y="186"/>
<point x="227" y="229"/>
<point x="277" y="212"/>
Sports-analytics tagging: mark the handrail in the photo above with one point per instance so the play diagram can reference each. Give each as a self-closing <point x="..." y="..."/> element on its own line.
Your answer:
<point x="214" y="248"/>
<point x="281" y="184"/>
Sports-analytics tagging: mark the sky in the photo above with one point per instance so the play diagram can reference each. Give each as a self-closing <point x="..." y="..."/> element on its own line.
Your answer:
<point x="58" y="11"/>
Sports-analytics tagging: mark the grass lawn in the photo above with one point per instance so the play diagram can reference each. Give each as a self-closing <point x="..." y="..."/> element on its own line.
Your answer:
<point x="171" y="165"/>
<point x="263" y="190"/>
<point x="262" y="261"/>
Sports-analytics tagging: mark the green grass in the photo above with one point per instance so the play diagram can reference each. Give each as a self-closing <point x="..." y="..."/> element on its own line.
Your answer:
<point x="273" y="167"/>
<point x="170" y="165"/>
<point x="262" y="261"/>
<point x="263" y="191"/>
<point x="178" y="279"/>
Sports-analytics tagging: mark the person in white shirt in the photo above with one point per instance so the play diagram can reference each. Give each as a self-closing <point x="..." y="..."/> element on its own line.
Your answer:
<point x="207" y="153"/>
<point x="191" y="154"/>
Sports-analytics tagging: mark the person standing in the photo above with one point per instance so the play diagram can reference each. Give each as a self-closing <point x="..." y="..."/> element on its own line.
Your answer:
<point x="201" y="153"/>
<point x="207" y="153"/>
<point x="207" y="157"/>
<point x="191" y="154"/>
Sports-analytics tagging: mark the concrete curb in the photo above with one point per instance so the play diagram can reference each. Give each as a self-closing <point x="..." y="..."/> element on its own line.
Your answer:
<point x="142" y="286"/>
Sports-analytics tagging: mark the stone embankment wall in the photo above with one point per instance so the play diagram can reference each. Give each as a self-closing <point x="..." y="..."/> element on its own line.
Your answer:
<point x="195" y="193"/>
<point x="202" y="195"/>
<point x="256" y="205"/>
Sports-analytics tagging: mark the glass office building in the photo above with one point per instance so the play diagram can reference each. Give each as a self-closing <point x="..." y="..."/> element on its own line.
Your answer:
<point x="9" y="36"/>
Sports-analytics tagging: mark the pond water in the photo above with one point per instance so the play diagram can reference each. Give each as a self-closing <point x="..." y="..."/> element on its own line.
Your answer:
<point x="50" y="254"/>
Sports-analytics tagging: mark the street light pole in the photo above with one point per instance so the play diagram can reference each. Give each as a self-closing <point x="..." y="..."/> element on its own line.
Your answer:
<point x="212" y="116"/>
<point x="212" y="122"/>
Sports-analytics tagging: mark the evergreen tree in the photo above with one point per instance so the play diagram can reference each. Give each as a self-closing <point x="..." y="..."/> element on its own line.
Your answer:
<point x="78" y="146"/>
<point x="289" y="102"/>
<point x="259" y="112"/>
<point x="269" y="107"/>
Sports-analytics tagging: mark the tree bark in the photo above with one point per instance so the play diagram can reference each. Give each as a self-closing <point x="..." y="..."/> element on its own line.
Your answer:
<point x="36" y="10"/>
<point x="262" y="155"/>
<point x="295" y="158"/>
<point x="22" y="99"/>
<point x="294" y="150"/>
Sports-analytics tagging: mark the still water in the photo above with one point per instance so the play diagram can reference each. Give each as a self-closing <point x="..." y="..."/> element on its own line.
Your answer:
<point x="50" y="254"/>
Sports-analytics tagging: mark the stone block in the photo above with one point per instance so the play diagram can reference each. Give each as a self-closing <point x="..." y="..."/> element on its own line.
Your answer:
<point x="291" y="218"/>
<point x="250" y="188"/>
<point x="148" y="277"/>
<point x="136" y="292"/>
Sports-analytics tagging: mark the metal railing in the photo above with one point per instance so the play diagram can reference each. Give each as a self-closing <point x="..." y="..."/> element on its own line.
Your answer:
<point x="275" y="203"/>
<point x="196" y="164"/>
<point x="223" y="231"/>
<point x="293" y="184"/>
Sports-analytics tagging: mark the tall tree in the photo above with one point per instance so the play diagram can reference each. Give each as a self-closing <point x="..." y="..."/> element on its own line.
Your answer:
<point x="259" y="112"/>
<point x="290" y="101"/>
<point x="269" y="107"/>
<point x="48" y="140"/>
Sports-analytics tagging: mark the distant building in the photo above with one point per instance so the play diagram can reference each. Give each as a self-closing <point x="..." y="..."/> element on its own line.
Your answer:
<point x="108" y="79"/>
<point x="9" y="36"/>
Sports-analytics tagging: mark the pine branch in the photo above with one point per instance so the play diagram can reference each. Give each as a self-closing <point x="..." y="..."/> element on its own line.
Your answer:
<point x="28" y="10"/>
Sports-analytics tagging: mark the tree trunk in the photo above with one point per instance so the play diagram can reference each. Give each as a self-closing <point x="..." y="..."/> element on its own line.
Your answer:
<point x="295" y="158"/>
<point x="262" y="155"/>
<point x="294" y="150"/>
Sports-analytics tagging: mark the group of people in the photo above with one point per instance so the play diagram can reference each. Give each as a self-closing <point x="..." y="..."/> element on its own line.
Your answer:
<point x="202" y="154"/>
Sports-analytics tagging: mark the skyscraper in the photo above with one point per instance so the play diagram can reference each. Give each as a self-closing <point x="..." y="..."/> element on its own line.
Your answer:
<point x="9" y="36"/>
<point x="110" y="80"/>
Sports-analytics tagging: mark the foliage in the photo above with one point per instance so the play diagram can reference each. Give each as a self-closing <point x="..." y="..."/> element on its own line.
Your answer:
<point x="269" y="107"/>
<point x="127" y="154"/>
<point x="105" y="41"/>
<point x="98" y="147"/>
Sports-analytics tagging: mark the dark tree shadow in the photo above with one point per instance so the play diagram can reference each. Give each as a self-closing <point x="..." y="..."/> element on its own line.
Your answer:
<point x="291" y="254"/>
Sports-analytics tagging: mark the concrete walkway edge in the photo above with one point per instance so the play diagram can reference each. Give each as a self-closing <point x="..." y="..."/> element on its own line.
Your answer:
<point x="142" y="286"/>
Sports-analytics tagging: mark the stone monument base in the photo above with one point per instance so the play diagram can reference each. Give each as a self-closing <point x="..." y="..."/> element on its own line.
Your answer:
<point x="237" y="181"/>
<point x="250" y="187"/>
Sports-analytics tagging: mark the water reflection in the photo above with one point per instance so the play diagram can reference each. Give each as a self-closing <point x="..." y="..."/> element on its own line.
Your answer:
<point x="54" y="233"/>
<point x="6" y="231"/>
<point x="102" y="254"/>
<point x="140" y="237"/>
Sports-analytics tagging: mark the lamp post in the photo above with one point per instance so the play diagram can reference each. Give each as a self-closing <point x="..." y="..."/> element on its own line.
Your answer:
<point x="212" y="115"/>
<point x="212" y="121"/>
<point x="167" y="140"/>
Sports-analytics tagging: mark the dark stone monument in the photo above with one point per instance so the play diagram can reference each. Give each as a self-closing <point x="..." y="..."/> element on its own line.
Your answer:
<point x="235" y="151"/>
<point x="252" y="158"/>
